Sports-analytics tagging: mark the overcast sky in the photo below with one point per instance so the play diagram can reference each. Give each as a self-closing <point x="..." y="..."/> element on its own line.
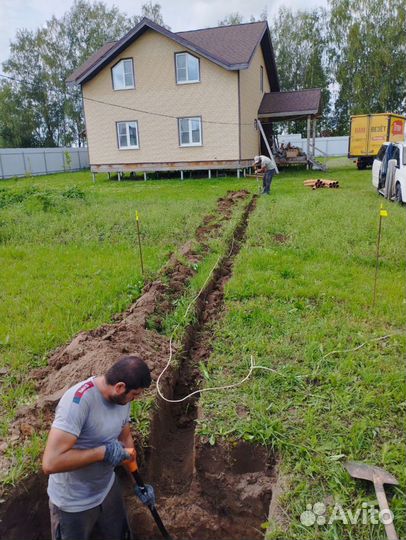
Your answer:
<point x="178" y="14"/>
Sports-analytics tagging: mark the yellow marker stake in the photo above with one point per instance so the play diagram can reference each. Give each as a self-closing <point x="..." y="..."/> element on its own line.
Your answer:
<point x="382" y="213"/>
<point x="139" y="240"/>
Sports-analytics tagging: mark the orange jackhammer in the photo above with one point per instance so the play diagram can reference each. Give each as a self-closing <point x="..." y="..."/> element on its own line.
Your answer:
<point x="132" y="467"/>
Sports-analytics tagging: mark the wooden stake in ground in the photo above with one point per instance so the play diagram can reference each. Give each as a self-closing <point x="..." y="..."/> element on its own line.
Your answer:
<point x="382" y="213"/>
<point x="258" y="184"/>
<point x="139" y="240"/>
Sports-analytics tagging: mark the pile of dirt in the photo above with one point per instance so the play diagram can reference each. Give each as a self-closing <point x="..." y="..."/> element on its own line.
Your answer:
<point x="91" y="353"/>
<point x="203" y="491"/>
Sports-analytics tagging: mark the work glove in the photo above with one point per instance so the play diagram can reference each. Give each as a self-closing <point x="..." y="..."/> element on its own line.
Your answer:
<point x="146" y="495"/>
<point x="115" y="453"/>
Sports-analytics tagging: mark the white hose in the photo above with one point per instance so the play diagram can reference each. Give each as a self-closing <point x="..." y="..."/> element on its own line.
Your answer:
<point x="252" y="362"/>
<point x="228" y="386"/>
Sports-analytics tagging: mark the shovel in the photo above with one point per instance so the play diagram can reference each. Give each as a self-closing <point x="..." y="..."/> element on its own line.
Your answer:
<point x="379" y="477"/>
<point x="132" y="467"/>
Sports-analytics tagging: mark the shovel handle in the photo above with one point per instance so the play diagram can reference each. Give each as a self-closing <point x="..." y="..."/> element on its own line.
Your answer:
<point x="152" y="509"/>
<point x="131" y="464"/>
<point x="384" y="507"/>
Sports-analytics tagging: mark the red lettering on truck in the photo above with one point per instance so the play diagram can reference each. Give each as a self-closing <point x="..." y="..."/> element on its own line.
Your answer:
<point x="397" y="127"/>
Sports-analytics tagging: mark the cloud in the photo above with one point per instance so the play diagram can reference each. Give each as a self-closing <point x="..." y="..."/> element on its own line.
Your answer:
<point x="18" y="14"/>
<point x="178" y="14"/>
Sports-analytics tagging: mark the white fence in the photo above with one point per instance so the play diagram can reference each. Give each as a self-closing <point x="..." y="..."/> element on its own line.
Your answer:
<point x="330" y="146"/>
<point x="35" y="161"/>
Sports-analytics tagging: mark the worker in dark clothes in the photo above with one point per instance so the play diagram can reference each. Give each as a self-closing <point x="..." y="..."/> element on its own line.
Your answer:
<point x="86" y="442"/>
<point x="264" y="164"/>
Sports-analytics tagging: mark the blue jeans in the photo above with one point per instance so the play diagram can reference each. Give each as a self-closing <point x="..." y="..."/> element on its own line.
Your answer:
<point x="267" y="180"/>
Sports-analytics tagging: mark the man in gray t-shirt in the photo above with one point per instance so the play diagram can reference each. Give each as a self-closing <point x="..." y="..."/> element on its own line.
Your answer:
<point x="88" y="438"/>
<point x="264" y="164"/>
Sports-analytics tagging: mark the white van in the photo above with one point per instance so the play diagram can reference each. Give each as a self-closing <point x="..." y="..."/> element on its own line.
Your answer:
<point x="389" y="171"/>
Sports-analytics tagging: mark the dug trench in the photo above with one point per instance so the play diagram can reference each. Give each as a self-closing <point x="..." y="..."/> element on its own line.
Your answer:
<point x="204" y="491"/>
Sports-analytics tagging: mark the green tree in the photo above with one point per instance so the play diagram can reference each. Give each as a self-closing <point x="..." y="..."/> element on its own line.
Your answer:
<point x="367" y="57"/>
<point x="17" y="122"/>
<point x="233" y="18"/>
<point x="41" y="60"/>
<point x="153" y="12"/>
<point x="237" y="18"/>
<point x="300" y="41"/>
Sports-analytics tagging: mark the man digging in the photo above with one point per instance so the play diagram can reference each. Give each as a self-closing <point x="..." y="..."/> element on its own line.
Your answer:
<point x="87" y="440"/>
<point x="263" y="164"/>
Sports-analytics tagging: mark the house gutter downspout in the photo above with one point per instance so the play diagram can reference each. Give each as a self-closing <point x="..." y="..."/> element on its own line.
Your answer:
<point x="239" y="117"/>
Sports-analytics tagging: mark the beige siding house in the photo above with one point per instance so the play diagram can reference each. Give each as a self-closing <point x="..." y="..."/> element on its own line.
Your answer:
<point x="157" y="100"/>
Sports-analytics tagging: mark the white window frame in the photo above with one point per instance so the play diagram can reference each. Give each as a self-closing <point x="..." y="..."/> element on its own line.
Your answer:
<point x="187" y="81"/>
<point x="190" y="118"/>
<point x="127" y="126"/>
<point x="117" y="66"/>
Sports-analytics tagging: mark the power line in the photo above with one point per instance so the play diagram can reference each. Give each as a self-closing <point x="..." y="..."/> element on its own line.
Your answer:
<point x="24" y="82"/>
<point x="7" y="77"/>
<point x="142" y="111"/>
<point x="162" y="114"/>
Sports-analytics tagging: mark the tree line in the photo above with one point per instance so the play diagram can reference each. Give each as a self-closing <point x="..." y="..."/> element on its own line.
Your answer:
<point x="353" y="50"/>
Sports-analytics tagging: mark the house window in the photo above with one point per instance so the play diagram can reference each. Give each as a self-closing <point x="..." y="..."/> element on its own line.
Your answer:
<point x="123" y="75"/>
<point x="190" y="131"/>
<point x="127" y="135"/>
<point x="261" y="80"/>
<point x="187" y="68"/>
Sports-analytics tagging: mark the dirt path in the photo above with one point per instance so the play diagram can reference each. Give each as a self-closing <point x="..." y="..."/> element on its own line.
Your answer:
<point x="202" y="490"/>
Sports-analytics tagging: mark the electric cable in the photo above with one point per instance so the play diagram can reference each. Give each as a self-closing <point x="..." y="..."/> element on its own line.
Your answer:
<point x="210" y="389"/>
<point x="252" y="362"/>
<point x="359" y="346"/>
<point x="141" y="111"/>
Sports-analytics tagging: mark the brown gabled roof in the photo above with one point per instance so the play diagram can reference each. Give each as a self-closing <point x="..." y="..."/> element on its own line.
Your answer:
<point x="91" y="61"/>
<point x="286" y="105"/>
<point x="233" y="44"/>
<point x="231" y="47"/>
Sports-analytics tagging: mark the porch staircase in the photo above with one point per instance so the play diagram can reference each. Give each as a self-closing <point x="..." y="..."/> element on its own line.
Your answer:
<point x="316" y="165"/>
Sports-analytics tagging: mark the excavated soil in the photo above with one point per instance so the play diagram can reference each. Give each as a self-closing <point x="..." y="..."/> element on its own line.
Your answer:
<point x="204" y="492"/>
<point x="93" y="352"/>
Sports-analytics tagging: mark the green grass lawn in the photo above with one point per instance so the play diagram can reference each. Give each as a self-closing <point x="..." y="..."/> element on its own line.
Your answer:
<point x="70" y="260"/>
<point x="302" y="287"/>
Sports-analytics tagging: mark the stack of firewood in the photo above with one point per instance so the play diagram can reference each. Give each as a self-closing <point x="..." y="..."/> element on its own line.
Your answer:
<point x="321" y="183"/>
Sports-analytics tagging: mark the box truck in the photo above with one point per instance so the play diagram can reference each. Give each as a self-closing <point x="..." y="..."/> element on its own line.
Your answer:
<point x="368" y="132"/>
